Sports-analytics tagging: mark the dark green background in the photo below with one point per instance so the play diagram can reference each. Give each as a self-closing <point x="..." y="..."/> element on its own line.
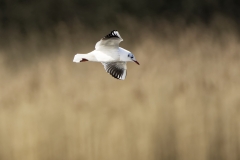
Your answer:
<point x="43" y="15"/>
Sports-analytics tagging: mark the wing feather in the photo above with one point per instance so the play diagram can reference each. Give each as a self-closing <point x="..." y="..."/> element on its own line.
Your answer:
<point x="111" y="40"/>
<point x="116" y="69"/>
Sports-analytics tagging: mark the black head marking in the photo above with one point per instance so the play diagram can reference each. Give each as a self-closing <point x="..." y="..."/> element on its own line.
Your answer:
<point x="130" y="56"/>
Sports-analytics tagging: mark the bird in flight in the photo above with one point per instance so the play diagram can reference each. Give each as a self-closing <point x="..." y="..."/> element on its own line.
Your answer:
<point x="108" y="52"/>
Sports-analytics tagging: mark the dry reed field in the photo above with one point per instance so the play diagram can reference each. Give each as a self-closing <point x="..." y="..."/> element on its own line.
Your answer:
<point x="181" y="103"/>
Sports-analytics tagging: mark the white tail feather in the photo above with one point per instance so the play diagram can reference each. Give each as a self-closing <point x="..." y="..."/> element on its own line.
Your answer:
<point x="78" y="57"/>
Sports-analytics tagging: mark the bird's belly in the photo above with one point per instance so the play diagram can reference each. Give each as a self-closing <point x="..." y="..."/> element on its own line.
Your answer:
<point x="107" y="57"/>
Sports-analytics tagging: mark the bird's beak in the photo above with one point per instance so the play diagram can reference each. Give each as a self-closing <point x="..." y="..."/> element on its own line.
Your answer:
<point x="136" y="62"/>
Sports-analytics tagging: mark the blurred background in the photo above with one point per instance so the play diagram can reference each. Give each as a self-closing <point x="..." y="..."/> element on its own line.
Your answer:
<point x="181" y="103"/>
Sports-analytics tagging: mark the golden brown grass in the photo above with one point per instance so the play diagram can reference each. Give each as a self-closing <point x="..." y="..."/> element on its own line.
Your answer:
<point x="181" y="103"/>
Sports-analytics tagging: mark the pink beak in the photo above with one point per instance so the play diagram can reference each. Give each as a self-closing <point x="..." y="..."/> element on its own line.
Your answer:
<point x="136" y="62"/>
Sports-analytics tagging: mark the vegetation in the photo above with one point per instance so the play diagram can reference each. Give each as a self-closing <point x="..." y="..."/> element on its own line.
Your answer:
<point x="44" y="15"/>
<point x="181" y="103"/>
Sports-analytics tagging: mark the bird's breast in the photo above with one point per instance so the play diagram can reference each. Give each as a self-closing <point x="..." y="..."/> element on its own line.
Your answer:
<point x="107" y="56"/>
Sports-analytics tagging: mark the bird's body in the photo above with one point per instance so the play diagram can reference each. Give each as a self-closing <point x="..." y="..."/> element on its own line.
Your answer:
<point x="108" y="52"/>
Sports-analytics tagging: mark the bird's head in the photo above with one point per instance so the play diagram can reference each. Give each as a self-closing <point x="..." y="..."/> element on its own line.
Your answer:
<point x="132" y="58"/>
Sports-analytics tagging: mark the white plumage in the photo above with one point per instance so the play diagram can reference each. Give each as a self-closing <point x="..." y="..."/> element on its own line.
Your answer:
<point x="108" y="52"/>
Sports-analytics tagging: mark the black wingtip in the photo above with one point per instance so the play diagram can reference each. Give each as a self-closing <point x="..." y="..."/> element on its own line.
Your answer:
<point x="115" y="72"/>
<point x="114" y="33"/>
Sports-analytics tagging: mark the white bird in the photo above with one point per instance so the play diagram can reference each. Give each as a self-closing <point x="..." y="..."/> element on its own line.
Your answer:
<point x="108" y="52"/>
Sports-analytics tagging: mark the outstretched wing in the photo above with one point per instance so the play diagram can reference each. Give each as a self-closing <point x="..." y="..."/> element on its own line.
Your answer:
<point x="111" y="40"/>
<point x="116" y="69"/>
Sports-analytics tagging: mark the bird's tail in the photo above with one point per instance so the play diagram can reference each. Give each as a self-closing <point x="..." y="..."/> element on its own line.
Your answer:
<point x="80" y="58"/>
